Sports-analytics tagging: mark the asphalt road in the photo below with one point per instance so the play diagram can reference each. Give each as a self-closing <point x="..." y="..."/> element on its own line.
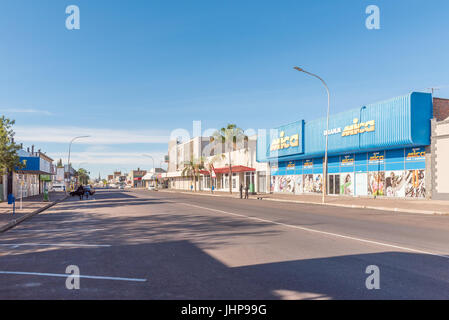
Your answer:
<point x="160" y="245"/>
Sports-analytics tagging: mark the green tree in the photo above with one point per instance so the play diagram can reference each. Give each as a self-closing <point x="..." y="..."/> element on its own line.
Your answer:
<point x="230" y="137"/>
<point x="192" y="169"/>
<point x="59" y="164"/>
<point x="209" y="166"/>
<point x="83" y="176"/>
<point x="9" y="158"/>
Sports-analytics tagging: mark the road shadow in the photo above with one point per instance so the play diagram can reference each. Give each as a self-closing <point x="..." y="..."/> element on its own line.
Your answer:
<point x="182" y="270"/>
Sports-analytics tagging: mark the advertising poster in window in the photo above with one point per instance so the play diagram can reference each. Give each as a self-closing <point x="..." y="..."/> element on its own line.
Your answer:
<point x="287" y="184"/>
<point x="376" y="183"/>
<point x="308" y="183"/>
<point x="274" y="186"/>
<point x="395" y="183"/>
<point x="318" y="183"/>
<point x="284" y="184"/>
<point x="298" y="184"/>
<point x="347" y="183"/>
<point x="415" y="184"/>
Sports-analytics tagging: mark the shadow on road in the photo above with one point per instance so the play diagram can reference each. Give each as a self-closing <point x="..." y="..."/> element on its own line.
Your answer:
<point x="181" y="270"/>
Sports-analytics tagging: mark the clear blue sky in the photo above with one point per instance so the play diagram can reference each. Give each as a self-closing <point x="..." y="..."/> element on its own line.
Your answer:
<point x="136" y="70"/>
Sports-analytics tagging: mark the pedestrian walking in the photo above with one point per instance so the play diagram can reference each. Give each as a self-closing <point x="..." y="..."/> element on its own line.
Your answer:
<point x="80" y="192"/>
<point x="246" y="192"/>
<point x="241" y="191"/>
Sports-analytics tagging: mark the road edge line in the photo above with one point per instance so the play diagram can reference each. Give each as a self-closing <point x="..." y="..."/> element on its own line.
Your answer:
<point x="354" y="206"/>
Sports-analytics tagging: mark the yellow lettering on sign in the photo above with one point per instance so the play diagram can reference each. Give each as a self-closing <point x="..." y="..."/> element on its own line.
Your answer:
<point x="284" y="142"/>
<point x="357" y="128"/>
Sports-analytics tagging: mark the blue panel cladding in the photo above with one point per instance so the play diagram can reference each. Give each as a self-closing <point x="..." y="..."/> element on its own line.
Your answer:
<point x="415" y="158"/>
<point x="396" y="123"/>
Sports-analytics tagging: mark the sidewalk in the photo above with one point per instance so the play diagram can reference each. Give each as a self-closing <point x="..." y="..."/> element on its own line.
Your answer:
<point x="30" y="206"/>
<point x="421" y="206"/>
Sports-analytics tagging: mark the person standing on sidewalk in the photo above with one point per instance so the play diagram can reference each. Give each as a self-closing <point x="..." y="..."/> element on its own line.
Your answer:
<point x="246" y="192"/>
<point x="241" y="191"/>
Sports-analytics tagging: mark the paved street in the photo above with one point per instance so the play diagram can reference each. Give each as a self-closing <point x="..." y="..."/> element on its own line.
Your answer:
<point x="158" y="245"/>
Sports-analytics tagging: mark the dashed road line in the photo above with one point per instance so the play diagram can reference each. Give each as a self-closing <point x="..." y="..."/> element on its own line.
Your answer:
<point x="319" y="231"/>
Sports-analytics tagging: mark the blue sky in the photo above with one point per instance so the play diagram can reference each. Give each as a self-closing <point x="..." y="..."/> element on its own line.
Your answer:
<point x="136" y="70"/>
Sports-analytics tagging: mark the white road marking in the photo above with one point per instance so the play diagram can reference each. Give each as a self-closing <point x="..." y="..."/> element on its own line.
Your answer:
<point x="15" y="245"/>
<point x="319" y="231"/>
<point x="55" y="230"/>
<point x="65" y="275"/>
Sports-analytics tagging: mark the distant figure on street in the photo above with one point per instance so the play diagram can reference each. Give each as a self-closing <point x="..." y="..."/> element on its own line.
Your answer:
<point x="241" y="191"/>
<point x="80" y="191"/>
<point x="246" y="192"/>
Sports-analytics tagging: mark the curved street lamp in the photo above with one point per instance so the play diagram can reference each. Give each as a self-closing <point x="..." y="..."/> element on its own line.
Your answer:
<point x="70" y="146"/>
<point x="327" y="128"/>
<point x="148" y="156"/>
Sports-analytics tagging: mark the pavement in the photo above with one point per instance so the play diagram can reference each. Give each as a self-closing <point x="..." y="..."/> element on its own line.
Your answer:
<point x="158" y="245"/>
<point x="421" y="206"/>
<point x="30" y="205"/>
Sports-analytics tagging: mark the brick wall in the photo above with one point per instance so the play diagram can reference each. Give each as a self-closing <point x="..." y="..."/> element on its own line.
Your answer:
<point x="440" y="109"/>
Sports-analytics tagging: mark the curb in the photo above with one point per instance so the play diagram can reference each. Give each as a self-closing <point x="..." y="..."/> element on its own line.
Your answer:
<point x="17" y="221"/>
<point x="354" y="206"/>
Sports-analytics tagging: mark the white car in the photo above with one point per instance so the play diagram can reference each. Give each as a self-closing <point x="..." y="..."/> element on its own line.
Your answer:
<point x="151" y="188"/>
<point x="58" y="187"/>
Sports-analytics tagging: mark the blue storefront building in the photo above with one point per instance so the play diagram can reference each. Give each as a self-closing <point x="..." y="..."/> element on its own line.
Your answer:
<point x="375" y="150"/>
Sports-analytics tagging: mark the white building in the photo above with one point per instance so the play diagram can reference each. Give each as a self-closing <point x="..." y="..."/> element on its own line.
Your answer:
<point x="245" y="169"/>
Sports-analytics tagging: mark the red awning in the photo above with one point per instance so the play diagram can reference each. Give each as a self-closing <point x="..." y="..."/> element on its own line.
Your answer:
<point x="235" y="169"/>
<point x="137" y="178"/>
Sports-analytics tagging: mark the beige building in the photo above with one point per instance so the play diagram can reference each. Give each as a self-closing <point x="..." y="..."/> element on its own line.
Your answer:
<point x="245" y="169"/>
<point x="439" y="168"/>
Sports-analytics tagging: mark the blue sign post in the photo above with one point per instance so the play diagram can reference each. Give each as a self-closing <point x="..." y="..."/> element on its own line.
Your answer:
<point x="12" y="200"/>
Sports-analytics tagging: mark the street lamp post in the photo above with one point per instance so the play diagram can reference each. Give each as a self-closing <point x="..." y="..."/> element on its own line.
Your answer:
<point x="327" y="128"/>
<point x="154" y="169"/>
<point x="68" y="160"/>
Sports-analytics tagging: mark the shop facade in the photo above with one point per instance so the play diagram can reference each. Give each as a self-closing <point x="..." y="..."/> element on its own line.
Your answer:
<point x="33" y="176"/>
<point x="381" y="149"/>
<point x="245" y="170"/>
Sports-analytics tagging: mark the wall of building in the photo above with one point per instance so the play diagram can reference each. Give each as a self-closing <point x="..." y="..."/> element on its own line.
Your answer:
<point x="440" y="109"/>
<point x="393" y="173"/>
<point x="440" y="159"/>
<point x="395" y="123"/>
<point x="201" y="147"/>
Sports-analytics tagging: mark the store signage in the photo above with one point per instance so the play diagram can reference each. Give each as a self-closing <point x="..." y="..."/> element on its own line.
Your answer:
<point x="308" y="163"/>
<point x="357" y="128"/>
<point x="45" y="177"/>
<point x="284" y="142"/>
<point x="376" y="157"/>
<point x="347" y="160"/>
<point x="332" y="131"/>
<point x="353" y="129"/>
<point x="291" y="165"/>
<point x="29" y="164"/>
<point x="416" y="154"/>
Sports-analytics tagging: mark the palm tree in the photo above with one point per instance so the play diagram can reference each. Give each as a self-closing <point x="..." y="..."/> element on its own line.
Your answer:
<point x="83" y="175"/>
<point x="209" y="165"/>
<point x="229" y="136"/>
<point x="192" y="169"/>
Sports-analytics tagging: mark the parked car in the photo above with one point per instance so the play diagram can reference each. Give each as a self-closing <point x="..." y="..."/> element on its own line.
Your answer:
<point x="58" y="186"/>
<point x="151" y="188"/>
